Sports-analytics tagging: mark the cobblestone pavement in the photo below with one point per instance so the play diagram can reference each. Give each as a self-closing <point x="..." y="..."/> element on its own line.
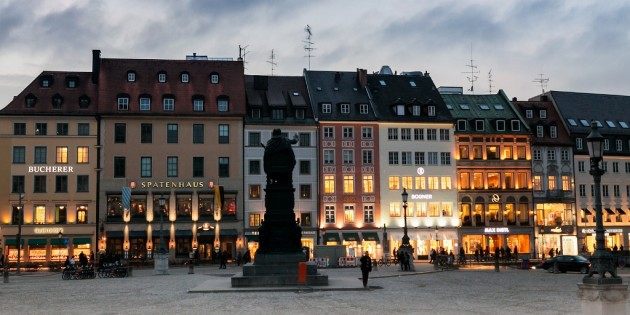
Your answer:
<point x="471" y="290"/>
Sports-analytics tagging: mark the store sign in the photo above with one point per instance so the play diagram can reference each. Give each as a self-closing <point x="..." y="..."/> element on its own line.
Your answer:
<point x="420" y="171"/>
<point x="51" y="169"/>
<point x="421" y="196"/>
<point x="495" y="198"/>
<point x="169" y="184"/>
<point x="563" y="229"/>
<point x="592" y="231"/>
<point x="47" y="230"/>
<point x="496" y="230"/>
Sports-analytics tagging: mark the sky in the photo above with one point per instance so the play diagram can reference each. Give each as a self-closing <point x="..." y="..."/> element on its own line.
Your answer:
<point x="580" y="46"/>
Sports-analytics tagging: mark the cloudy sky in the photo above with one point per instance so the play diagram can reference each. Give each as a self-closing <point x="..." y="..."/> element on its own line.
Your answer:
<point x="581" y="46"/>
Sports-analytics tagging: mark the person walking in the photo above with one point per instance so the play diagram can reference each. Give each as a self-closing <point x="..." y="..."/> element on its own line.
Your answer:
<point x="366" y="267"/>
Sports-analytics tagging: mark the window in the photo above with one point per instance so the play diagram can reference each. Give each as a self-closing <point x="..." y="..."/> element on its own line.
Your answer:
<point x="253" y="139"/>
<point x="394" y="209"/>
<point x="61" y="183"/>
<point x="223" y="104"/>
<point x="566" y="183"/>
<point x="83" y="129"/>
<point x="615" y="167"/>
<point x="277" y="114"/>
<point x="83" y="183"/>
<point x="444" y="135"/>
<point x="146" y="133"/>
<point x="605" y="191"/>
<point x="162" y="77"/>
<point x="348" y="157"/>
<point x="224" y="167"/>
<point x="197" y="167"/>
<point x="392" y="134"/>
<point x="578" y="143"/>
<point x="145" y="104"/>
<point x="464" y="153"/>
<point x="616" y="191"/>
<point x="405" y="134"/>
<point x="131" y="76"/>
<point x="492" y="152"/>
<point x="434" y="209"/>
<point x="299" y="113"/>
<point x="82" y="214"/>
<point x="551" y="155"/>
<point x="418" y="134"/>
<point x="416" y="110"/>
<point x="172" y="166"/>
<point x="543" y="113"/>
<point x="198" y="105"/>
<point x="329" y="213"/>
<point x="606" y="144"/>
<point x="363" y="109"/>
<point x="433" y="158"/>
<point x="366" y="132"/>
<point x="461" y="125"/>
<point x="367" y="157"/>
<point x="30" y="100"/>
<point x="619" y="145"/>
<point x="329" y="184"/>
<point x="445" y="158"/>
<point x="529" y="113"/>
<point x="419" y="158"/>
<point x="553" y="131"/>
<point x="516" y="126"/>
<point x="62" y="155"/>
<point x="537" y="155"/>
<point x="540" y="131"/>
<point x="305" y="139"/>
<point x="84" y="101"/>
<point x="326" y="108"/>
<point x="537" y="182"/>
<point x="39" y="215"/>
<point x="345" y="108"/>
<point x="254" y="167"/>
<point x="348" y="132"/>
<point x="17" y="184"/>
<point x="507" y="153"/>
<point x="348" y="184"/>
<point x="123" y="103"/>
<point x="551" y="182"/>
<point x="368" y="184"/>
<point x="627" y="167"/>
<point x="146" y="166"/>
<point x="119" y="166"/>
<point x="368" y="214"/>
<point x="431" y="110"/>
<point x="254" y="191"/>
<point x="19" y="155"/>
<point x="521" y="152"/>
<point x="564" y="155"/>
<point x="477" y="152"/>
<point x="348" y="214"/>
<point x="431" y="134"/>
<point x="40" y="155"/>
<point x="120" y="133"/>
<point x="168" y="104"/>
<point x="41" y="129"/>
<point x="484" y="106"/>
<point x="329" y="157"/>
<point x="214" y="78"/>
<point x="305" y="191"/>
<point x="172" y="133"/>
<point x="305" y="167"/>
<point x="39" y="184"/>
<point x="83" y="156"/>
<point x="445" y="181"/>
<point x="464" y="180"/>
<point x="185" y="78"/>
<point x="254" y="219"/>
<point x="19" y="129"/>
<point x="224" y="134"/>
<point x="582" y="188"/>
<point x="393" y="158"/>
<point x="581" y="167"/>
<point x="57" y="101"/>
<point x="479" y="126"/>
<point x="62" y="129"/>
<point x="405" y="158"/>
<point x="500" y="125"/>
<point x="400" y="110"/>
<point x="329" y="133"/>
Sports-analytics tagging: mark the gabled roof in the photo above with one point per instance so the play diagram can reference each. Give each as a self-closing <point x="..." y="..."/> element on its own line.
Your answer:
<point x="489" y="108"/>
<point x="58" y="87"/>
<point x="277" y="92"/>
<point x="552" y="119"/>
<point x="389" y="91"/>
<point x="336" y="88"/>
<point x="578" y="109"/>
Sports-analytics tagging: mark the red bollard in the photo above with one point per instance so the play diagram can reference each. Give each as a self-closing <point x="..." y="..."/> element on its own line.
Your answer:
<point x="302" y="273"/>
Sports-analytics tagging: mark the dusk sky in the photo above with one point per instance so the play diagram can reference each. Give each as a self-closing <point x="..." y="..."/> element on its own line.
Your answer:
<point x="581" y="46"/>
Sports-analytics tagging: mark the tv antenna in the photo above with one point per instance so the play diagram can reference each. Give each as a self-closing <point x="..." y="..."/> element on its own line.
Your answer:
<point x="490" y="81"/>
<point x="542" y="81"/>
<point x="242" y="53"/>
<point x="472" y="73"/>
<point x="308" y="43"/>
<point x="272" y="61"/>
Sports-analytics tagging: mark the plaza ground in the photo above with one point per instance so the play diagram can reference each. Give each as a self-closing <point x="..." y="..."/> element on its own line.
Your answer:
<point x="470" y="290"/>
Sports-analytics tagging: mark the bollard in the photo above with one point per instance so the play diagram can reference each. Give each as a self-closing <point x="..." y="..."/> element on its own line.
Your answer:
<point x="496" y="265"/>
<point x="301" y="273"/>
<point x="5" y="275"/>
<point x="129" y="271"/>
<point x="191" y="267"/>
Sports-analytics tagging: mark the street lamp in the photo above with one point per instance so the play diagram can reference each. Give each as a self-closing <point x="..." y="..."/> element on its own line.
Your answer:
<point x="59" y="242"/>
<point x="405" y="246"/>
<point x="19" y="234"/>
<point x="602" y="260"/>
<point x="161" y="250"/>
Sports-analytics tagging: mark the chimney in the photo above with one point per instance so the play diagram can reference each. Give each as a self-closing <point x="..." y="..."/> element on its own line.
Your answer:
<point x="362" y="77"/>
<point x="513" y="99"/>
<point x="96" y="65"/>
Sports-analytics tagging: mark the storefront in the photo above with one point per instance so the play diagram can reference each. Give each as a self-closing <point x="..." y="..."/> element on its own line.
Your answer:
<point x="560" y="238"/>
<point x="43" y="245"/>
<point x="612" y="237"/>
<point x="490" y="238"/>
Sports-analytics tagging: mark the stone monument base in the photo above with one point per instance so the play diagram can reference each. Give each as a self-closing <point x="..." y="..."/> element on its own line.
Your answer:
<point x="603" y="298"/>
<point x="271" y="270"/>
<point x="160" y="263"/>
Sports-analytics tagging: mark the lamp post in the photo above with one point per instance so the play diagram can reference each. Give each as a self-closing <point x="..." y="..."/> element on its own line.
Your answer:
<point x="406" y="246"/>
<point x="59" y="243"/>
<point x="602" y="260"/>
<point x="161" y="250"/>
<point x="19" y="233"/>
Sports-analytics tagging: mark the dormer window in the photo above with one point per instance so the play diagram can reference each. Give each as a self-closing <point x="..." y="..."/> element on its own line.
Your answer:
<point x="222" y="104"/>
<point x="255" y="113"/>
<point x="553" y="131"/>
<point x="464" y="106"/>
<point x="461" y="124"/>
<point x="161" y="76"/>
<point x="185" y="77"/>
<point x="412" y="83"/>
<point x="123" y="102"/>
<point x="30" y="100"/>
<point x="431" y="110"/>
<point x="299" y="113"/>
<point x="168" y="103"/>
<point x="416" y="110"/>
<point x="479" y="125"/>
<point x="363" y="109"/>
<point x="400" y="110"/>
<point x="543" y="113"/>
<point x="84" y="101"/>
<point x="214" y="78"/>
<point x="46" y="81"/>
<point x="345" y="108"/>
<point x="540" y="131"/>
<point x="501" y="125"/>
<point x="382" y="83"/>
<point x="145" y="102"/>
<point x="529" y="113"/>
<point x="516" y="126"/>
<point x="326" y="108"/>
<point x="57" y="101"/>
<point x="71" y="83"/>
<point x="198" y="104"/>
<point x="131" y="76"/>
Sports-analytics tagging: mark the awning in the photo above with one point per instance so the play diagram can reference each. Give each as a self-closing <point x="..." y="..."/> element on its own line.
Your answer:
<point x="370" y="236"/>
<point x="424" y="236"/>
<point x="351" y="237"/>
<point x="332" y="237"/>
<point x="114" y="234"/>
<point x="586" y="211"/>
<point x="252" y="238"/>
<point x="37" y="241"/>
<point x="138" y="234"/>
<point x="609" y="211"/>
<point x="183" y="233"/>
<point x="58" y="241"/>
<point x="621" y="211"/>
<point x="13" y="242"/>
<point x="81" y="240"/>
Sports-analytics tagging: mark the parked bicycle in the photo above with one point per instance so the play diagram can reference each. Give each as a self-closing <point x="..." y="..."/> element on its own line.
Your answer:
<point x="78" y="273"/>
<point x="112" y="270"/>
<point x="386" y="261"/>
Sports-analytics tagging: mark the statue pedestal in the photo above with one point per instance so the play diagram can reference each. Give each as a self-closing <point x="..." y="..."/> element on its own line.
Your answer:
<point x="278" y="269"/>
<point x="160" y="263"/>
<point x="603" y="298"/>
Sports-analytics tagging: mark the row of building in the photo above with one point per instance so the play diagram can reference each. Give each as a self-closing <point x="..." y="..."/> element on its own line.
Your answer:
<point x="137" y="148"/>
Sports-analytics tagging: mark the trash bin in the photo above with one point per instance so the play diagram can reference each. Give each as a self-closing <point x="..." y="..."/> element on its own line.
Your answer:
<point x="525" y="263"/>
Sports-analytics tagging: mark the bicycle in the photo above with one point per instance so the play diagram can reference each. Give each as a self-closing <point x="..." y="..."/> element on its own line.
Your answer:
<point x="461" y="260"/>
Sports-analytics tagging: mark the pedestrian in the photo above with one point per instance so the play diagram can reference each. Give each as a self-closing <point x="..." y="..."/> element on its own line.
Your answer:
<point x="408" y="260"/>
<point x="219" y="257"/>
<point x="551" y="252"/>
<point x="239" y="257"/>
<point x="224" y="257"/>
<point x="92" y="257"/>
<point x="432" y="256"/>
<point x="477" y="254"/>
<point x="401" y="260"/>
<point x="515" y="253"/>
<point x="366" y="267"/>
<point x="621" y="248"/>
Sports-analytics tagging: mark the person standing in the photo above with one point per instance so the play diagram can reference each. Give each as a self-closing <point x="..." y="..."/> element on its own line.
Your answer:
<point x="366" y="267"/>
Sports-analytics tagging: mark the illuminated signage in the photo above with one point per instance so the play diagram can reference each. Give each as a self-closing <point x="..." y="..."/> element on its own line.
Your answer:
<point x="51" y="169"/>
<point x="420" y="170"/>
<point x="171" y="184"/>
<point x="39" y="230"/>
<point x="421" y="196"/>
<point x="496" y="230"/>
<point x="495" y="198"/>
<point x="592" y="231"/>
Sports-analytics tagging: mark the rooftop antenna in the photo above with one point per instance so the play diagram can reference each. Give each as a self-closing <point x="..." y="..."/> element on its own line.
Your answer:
<point x="490" y="81"/>
<point x="272" y="61"/>
<point x="242" y="53"/>
<point x="472" y="72"/>
<point x="542" y="81"/>
<point x="308" y="43"/>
